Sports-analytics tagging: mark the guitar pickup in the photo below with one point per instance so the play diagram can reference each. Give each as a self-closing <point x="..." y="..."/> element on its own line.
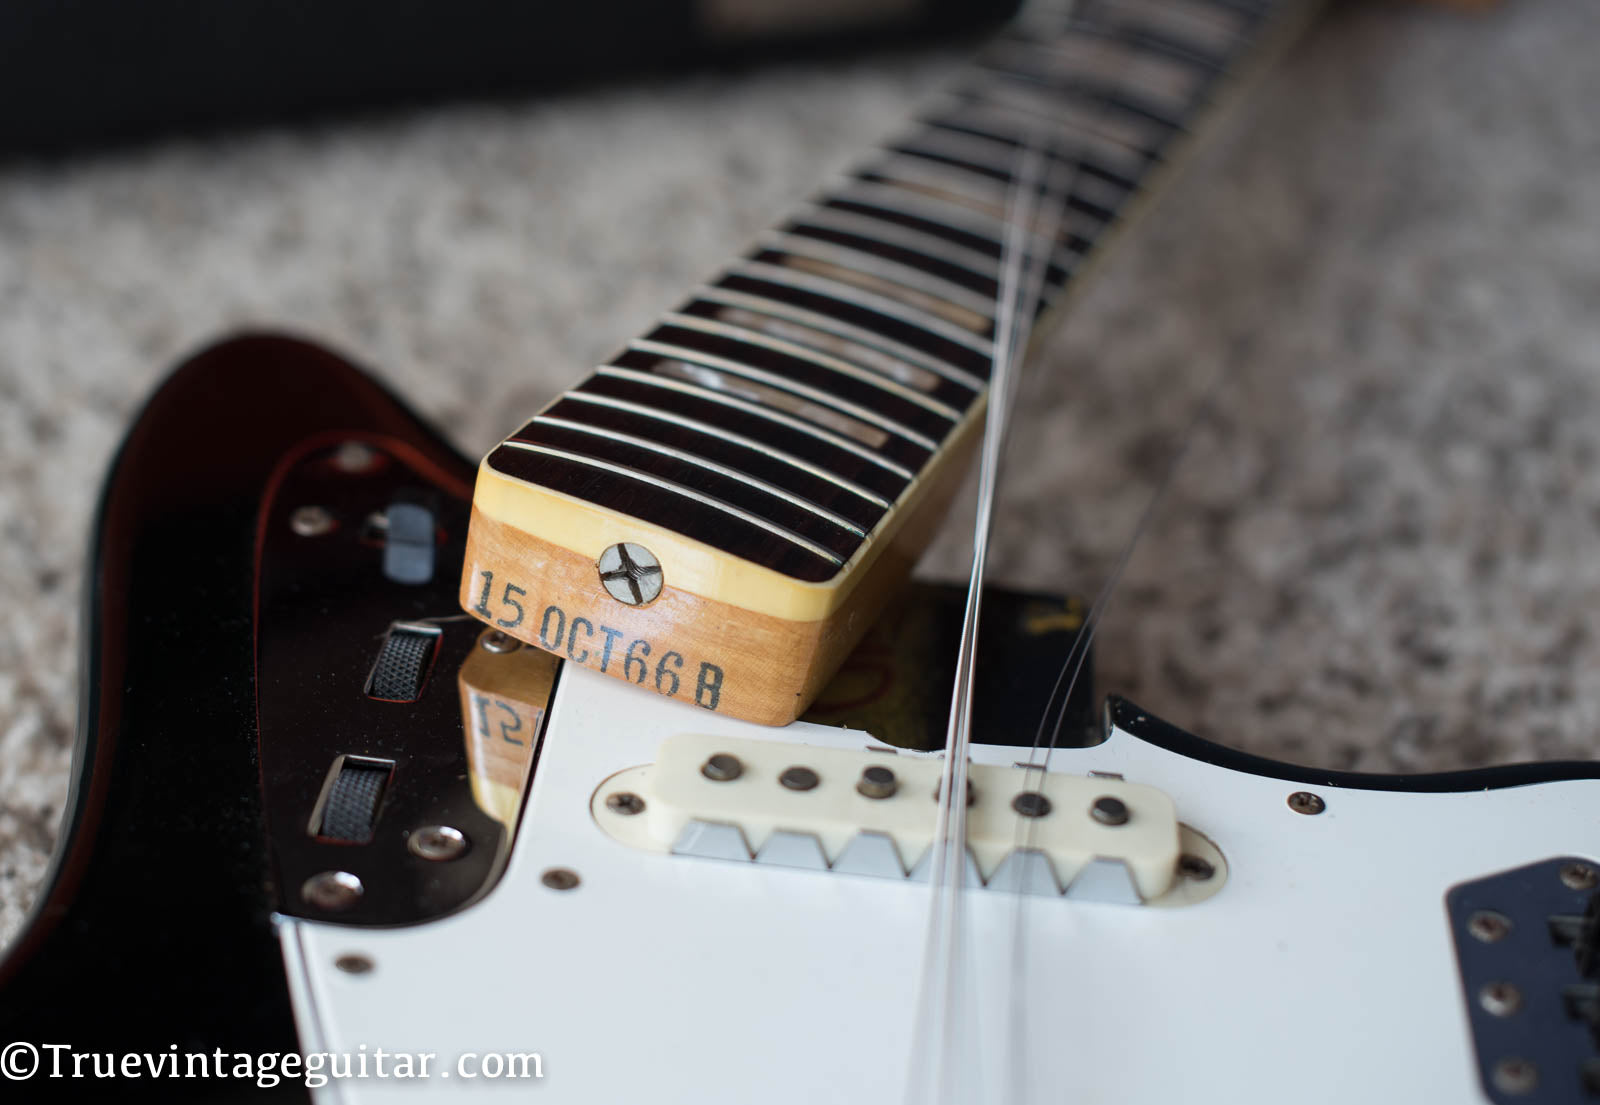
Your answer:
<point x="863" y="811"/>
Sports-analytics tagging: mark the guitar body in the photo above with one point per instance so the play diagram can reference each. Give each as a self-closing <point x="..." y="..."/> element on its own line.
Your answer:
<point x="1326" y="944"/>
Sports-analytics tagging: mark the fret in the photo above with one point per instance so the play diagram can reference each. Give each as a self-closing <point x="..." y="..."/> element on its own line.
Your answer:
<point x="714" y="522"/>
<point x="788" y="349"/>
<point x="1206" y="28"/>
<point x="874" y="470"/>
<point x="881" y="314"/>
<point x="994" y="155"/>
<point x="868" y="426"/>
<point x="1106" y="62"/>
<point x="972" y="242"/>
<point x="864" y="268"/>
<point x="1021" y="116"/>
<point x="944" y="248"/>
<point x="980" y="288"/>
<point x="784" y="441"/>
<point x="1112" y="95"/>
<point x="878" y="188"/>
<point x="856" y="342"/>
<point x="1075" y="232"/>
<point x="794" y="513"/>
<point x="874" y="504"/>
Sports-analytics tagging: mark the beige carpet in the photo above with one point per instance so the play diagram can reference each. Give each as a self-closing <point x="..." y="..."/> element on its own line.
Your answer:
<point x="1378" y="553"/>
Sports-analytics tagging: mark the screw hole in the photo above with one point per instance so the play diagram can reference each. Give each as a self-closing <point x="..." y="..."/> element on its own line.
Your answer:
<point x="560" y="878"/>
<point x="354" y="964"/>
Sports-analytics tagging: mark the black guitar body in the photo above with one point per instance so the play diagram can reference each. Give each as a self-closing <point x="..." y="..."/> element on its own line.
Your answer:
<point x="154" y="929"/>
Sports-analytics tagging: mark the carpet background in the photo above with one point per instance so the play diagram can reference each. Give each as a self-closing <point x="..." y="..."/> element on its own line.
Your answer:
<point x="1378" y="552"/>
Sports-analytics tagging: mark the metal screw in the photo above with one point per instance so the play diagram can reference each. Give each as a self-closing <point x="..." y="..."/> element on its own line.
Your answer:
<point x="354" y="964"/>
<point x="799" y="778"/>
<point x="1030" y="803"/>
<point x="311" y="521"/>
<point x="437" y="842"/>
<point x="1515" y="1076"/>
<point x="630" y="573"/>
<point x="560" y="878"/>
<point x="355" y="456"/>
<point x="1579" y="876"/>
<point x="1195" y="867"/>
<point x="625" y="802"/>
<point x="1109" y="811"/>
<point x="497" y="642"/>
<point x="877" y="782"/>
<point x="1303" y="801"/>
<point x="722" y="768"/>
<point x="1488" y="926"/>
<point x="1500" y="998"/>
<point x="332" y="891"/>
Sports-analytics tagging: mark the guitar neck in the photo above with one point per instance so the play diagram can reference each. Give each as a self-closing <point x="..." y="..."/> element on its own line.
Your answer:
<point x="720" y="510"/>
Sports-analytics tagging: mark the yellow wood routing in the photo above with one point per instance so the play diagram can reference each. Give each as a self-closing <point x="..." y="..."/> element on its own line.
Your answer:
<point x="503" y="700"/>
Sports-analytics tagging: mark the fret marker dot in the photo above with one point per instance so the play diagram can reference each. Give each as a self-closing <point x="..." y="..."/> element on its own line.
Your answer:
<point x="630" y="573"/>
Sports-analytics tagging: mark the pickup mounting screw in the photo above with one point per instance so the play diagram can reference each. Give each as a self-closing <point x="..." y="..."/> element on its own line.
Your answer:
<point x="1579" y="876"/>
<point x="1500" y="999"/>
<point x="496" y="641"/>
<point x="1488" y="926"/>
<point x="630" y="573"/>
<point x="1030" y="803"/>
<point x="799" y="778"/>
<point x="1109" y="811"/>
<point x="332" y="891"/>
<point x="877" y="782"/>
<point x="625" y="802"/>
<point x="1303" y="801"/>
<point x="311" y="521"/>
<point x="1195" y="867"/>
<point x="1514" y="1075"/>
<point x="437" y="842"/>
<point x="722" y="768"/>
<point x="354" y="964"/>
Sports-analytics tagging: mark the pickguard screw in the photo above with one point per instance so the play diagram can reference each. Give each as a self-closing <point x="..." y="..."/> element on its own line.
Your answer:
<point x="1500" y="998"/>
<point x="332" y="891"/>
<point x="496" y="641"/>
<point x="1030" y="803"/>
<point x="1195" y="867"/>
<point x="625" y="802"/>
<point x="630" y="573"/>
<point x="1579" y="876"/>
<point x="437" y="842"/>
<point x="1109" y="811"/>
<point x="1488" y="926"/>
<point x="1515" y="1076"/>
<point x="877" y="782"/>
<point x="722" y="768"/>
<point x="1303" y="801"/>
<point x="311" y="521"/>
<point x="560" y="878"/>
<point x="799" y="778"/>
<point x="355" y="456"/>
<point x="354" y="964"/>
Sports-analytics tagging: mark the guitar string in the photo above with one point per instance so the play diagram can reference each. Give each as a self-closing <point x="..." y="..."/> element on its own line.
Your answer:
<point x="934" y="1032"/>
<point x="1019" y="306"/>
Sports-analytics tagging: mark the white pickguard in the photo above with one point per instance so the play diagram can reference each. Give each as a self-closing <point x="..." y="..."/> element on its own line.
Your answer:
<point x="1323" y="971"/>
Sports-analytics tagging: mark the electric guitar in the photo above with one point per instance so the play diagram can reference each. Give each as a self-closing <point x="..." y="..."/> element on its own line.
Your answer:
<point x="387" y="790"/>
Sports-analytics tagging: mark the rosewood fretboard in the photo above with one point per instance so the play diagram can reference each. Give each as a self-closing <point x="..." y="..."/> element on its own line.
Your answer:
<point x="789" y="411"/>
